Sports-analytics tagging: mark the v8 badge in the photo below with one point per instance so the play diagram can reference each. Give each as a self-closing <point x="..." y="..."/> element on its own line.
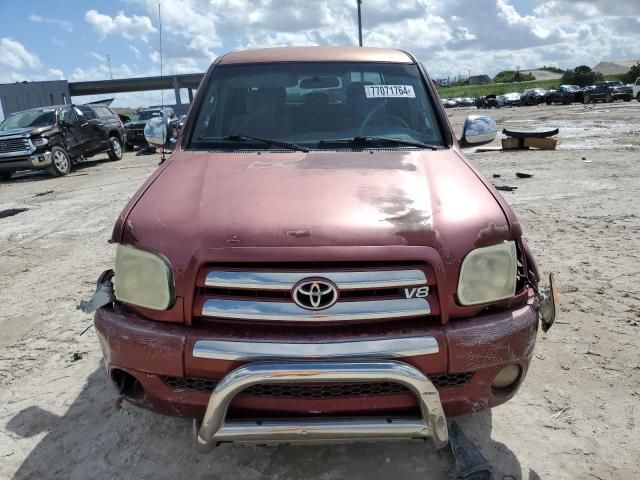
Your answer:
<point x="416" y="292"/>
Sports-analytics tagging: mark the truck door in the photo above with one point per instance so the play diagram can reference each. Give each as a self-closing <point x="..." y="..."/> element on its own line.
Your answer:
<point x="71" y="131"/>
<point x="92" y="129"/>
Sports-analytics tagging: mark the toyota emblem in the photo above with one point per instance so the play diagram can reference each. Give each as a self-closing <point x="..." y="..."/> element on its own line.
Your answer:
<point x="315" y="293"/>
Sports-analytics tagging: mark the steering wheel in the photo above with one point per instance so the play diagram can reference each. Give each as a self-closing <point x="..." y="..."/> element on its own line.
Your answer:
<point x="367" y="120"/>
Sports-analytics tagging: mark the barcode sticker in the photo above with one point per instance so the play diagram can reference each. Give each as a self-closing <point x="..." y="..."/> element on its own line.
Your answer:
<point x="389" y="91"/>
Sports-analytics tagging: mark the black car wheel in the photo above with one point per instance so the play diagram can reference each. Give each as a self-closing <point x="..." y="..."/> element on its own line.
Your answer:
<point x="586" y="99"/>
<point x="115" y="150"/>
<point x="628" y="99"/>
<point x="60" y="163"/>
<point x="5" y="175"/>
<point x="609" y="98"/>
<point x="638" y="97"/>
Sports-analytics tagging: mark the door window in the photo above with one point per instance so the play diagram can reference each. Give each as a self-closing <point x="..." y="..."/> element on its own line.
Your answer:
<point x="68" y="115"/>
<point x="86" y="112"/>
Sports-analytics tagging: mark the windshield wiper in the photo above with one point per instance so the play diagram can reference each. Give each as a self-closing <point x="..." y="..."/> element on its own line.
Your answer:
<point x="364" y="141"/>
<point x="267" y="141"/>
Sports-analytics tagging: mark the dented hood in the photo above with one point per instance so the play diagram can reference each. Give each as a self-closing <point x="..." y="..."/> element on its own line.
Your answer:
<point x="224" y="200"/>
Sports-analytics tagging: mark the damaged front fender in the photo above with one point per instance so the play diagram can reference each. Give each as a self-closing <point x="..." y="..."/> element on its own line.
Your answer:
<point x="102" y="296"/>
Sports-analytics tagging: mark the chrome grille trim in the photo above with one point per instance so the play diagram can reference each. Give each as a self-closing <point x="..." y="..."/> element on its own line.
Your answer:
<point x="14" y="146"/>
<point x="385" y="348"/>
<point x="286" y="280"/>
<point x="341" y="311"/>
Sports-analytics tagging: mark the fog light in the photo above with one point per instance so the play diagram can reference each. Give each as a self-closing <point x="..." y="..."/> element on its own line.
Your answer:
<point x="506" y="377"/>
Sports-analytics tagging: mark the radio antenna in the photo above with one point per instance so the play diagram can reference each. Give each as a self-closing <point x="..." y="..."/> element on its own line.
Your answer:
<point x="163" y="157"/>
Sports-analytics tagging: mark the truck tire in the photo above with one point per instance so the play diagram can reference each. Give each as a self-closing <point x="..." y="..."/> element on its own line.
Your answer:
<point x="128" y="147"/>
<point x="115" y="150"/>
<point x="628" y="99"/>
<point x="60" y="162"/>
<point x="638" y="97"/>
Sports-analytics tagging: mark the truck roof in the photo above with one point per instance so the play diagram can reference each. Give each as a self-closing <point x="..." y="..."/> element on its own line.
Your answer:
<point x="316" y="54"/>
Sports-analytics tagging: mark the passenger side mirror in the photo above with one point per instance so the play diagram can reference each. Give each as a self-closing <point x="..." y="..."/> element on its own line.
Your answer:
<point x="478" y="130"/>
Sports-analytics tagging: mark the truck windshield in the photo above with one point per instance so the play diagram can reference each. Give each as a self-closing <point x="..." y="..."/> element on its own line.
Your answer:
<point x="315" y="105"/>
<point x="146" y="115"/>
<point x="30" y="118"/>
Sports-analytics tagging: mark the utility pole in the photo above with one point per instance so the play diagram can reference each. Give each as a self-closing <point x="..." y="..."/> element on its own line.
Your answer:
<point x="360" y="21"/>
<point x="109" y="63"/>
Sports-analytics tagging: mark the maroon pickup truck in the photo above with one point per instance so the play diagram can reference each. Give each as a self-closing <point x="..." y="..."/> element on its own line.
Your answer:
<point x="317" y="260"/>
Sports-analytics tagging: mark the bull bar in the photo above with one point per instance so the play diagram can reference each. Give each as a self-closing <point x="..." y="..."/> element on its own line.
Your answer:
<point x="214" y="428"/>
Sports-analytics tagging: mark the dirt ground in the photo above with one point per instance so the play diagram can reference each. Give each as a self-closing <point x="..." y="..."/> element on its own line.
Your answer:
<point x="576" y="416"/>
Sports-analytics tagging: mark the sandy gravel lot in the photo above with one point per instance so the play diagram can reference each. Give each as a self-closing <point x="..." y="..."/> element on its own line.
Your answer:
<point x="577" y="415"/>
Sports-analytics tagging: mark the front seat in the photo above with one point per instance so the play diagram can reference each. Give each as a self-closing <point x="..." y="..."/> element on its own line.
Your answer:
<point x="265" y="114"/>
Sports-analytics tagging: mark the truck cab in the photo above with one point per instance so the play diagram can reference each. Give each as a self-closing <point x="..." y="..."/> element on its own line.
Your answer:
<point x="318" y="260"/>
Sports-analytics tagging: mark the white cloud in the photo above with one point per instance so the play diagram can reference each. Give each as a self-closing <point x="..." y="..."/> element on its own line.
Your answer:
<point x="132" y="27"/>
<point x="58" y="42"/>
<point x="135" y="51"/>
<point x="55" y="74"/>
<point x="61" y="24"/>
<point x="14" y="55"/>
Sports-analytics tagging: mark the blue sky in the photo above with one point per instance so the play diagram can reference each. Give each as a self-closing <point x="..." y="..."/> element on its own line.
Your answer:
<point x="70" y="38"/>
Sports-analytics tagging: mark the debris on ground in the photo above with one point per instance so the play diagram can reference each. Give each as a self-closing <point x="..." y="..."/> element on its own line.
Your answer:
<point x="523" y="175"/>
<point x="505" y="188"/>
<point x="496" y="175"/>
<point x="76" y="356"/>
<point x="526" y="140"/>
<point x="470" y="463"/>
<point x="42" y="194"/>
<point x="10" y="212"/>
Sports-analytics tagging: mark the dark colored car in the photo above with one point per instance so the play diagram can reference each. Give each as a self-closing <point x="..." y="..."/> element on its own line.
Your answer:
<point x="55" y="138"/>
<point x="489" y="101"/>
<point x="318" y="260"/>
<point x="135" y="125"/>
<point x="609" y="91"/>
<point x="565" y="94"/>
<point x="533" y="96"/>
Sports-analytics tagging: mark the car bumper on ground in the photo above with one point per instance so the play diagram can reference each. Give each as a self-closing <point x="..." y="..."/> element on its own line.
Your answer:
<point x="37" y="160"/>
<point x="173" y="369"/>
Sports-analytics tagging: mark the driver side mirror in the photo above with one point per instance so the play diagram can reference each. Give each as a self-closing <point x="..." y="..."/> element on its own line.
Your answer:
<point x="156" y="132"/>
<point x="478" y="130"/>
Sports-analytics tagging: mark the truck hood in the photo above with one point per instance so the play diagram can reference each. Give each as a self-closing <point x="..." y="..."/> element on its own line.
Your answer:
<point x="207" y="200"/>
<point x="25" y="131"/>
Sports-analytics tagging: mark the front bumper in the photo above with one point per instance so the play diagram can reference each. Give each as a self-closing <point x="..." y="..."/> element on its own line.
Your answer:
<point x="36" y="160"/>
<point x="214" y="428"/>
<point x="151" y="352"/>
<point x="136" y="138"/>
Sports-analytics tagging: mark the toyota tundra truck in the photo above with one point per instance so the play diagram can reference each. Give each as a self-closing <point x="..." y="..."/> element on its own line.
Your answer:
<point x="319" y="261"/>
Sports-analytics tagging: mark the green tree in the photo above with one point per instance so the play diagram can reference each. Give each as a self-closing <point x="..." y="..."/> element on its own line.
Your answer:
<point x="582" y="76"/>
<point x="632" y="74"/>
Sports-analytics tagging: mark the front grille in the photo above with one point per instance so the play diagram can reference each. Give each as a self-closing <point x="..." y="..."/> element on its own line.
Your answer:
<point x="15" y="145"/>
<point x="318" y="391"/>
<point x="265" y="292"/>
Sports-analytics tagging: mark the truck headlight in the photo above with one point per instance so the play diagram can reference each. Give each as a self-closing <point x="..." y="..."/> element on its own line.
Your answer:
<point x="488" y="274"/>
<point x="143" y="278"/>
<point x="39" y="142"/>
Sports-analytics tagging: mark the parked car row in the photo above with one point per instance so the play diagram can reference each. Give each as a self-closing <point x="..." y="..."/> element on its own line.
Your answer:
<point x="606" y="91"/>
